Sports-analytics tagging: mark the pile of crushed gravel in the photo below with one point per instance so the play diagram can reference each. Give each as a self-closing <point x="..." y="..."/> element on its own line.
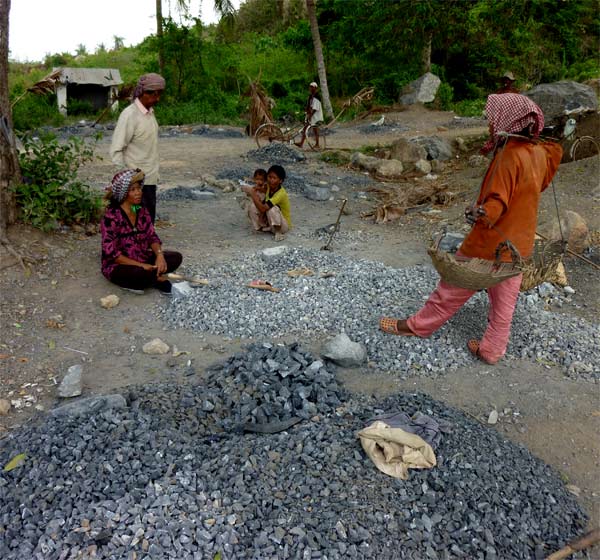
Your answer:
<point x="356" y="297"/>
<point x="383" y="128"/>
<point x="165" y="477"/>
<point x="277" y="153"/>
<point x="201" y="192"/>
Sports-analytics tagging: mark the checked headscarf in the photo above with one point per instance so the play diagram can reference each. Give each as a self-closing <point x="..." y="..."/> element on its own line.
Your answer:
<point x="511" y="112"/>
<point x="119" y="186"/>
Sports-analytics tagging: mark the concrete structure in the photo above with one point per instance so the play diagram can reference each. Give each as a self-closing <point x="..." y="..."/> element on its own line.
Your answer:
<point x="97" y="86"/>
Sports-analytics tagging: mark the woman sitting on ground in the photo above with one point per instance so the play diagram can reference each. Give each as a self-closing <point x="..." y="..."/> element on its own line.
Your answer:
<point x="271" y="211"/>
<point x="132" y="255"/>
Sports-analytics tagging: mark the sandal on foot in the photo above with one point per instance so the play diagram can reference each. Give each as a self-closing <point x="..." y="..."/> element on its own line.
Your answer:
<point x="473" y="346"/>
<point x="389" y="325"/>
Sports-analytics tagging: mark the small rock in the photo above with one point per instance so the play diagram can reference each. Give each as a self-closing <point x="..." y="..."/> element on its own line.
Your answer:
<point x="155" y="346"/>
<point x="493" y="417"/>
<point x="574" y="229"/>
<point x="181" y="290"/>
<point x="575" y="490"/>
<point x="568" y="290"/>
<point x="342" y="351"/>
<point x="110" y="301"/>
<point x="272" y="252"/>
<point x="91" y="405"/>
<point x="4" y="407"/>
<point x="423" y="166"/>
<point x="71" y="383"/>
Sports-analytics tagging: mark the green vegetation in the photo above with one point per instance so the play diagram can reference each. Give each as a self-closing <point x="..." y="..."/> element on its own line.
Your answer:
<point x="469" y="44"/>
<point x="51" y="194"/>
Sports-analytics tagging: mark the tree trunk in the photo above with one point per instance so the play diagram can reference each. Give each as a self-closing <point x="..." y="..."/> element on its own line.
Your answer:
<point x="316" y="37"/>
<point x="426" y="55"/>
<point x="10" y="173"/>
<point x="159" y="36"/>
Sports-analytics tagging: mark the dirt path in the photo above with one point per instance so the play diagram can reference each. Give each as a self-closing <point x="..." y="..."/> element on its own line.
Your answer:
<point x="557" y="418"/>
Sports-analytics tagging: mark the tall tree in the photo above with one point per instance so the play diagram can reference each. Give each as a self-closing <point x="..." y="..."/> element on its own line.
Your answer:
<point x="223" y="7"/>
<point x="311" y="9"/>
<point x="159" y="36"/>
<point x="10" y="172"/>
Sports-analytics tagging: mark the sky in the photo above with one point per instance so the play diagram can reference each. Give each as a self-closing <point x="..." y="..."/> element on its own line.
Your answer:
<point x="39" y="27"/>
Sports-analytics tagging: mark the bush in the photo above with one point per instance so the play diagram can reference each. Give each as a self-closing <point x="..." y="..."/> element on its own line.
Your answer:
<point x="51" y="194"/>
<point x="469" y="107"/>
<point x="33" y="111"/>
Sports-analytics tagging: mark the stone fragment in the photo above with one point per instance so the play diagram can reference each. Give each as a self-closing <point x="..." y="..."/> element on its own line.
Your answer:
<point x="70" y="386"/>
<point x="181" y="290"/>
<point x="493" y="417"/>
<point x="155" y="346"/>
<point x="344" y="352"/>
<point x="477" y="160"/>
<point x="574" y="230"/>
<point x="422" y="90"/>
<point x="91" y="405"/>
<point x="423" y="166"/>
<point x="4" y="407"/>
<point x="272" y="252"/>
<point x="109" y="301"/>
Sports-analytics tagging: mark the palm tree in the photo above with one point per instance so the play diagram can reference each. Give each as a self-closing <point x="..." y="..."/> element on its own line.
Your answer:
<point x="311" y="9"/>
<point x="10" y="172"/>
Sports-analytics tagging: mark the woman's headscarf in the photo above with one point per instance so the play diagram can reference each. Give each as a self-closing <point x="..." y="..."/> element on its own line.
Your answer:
<point x="119" y="186"/>
<point x="149" y="82"/>
<point x="511" y="112"/>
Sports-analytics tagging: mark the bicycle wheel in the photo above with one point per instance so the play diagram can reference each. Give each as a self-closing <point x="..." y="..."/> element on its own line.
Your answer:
<point x="312" y="139"/>
<point x="267" y="133"/>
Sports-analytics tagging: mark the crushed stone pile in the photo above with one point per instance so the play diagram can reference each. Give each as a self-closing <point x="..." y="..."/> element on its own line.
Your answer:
<point x="200" y="192"/>
<point x="277" y="152"/>
<point x="165" y="478"/>
<point x="353" y="295"/>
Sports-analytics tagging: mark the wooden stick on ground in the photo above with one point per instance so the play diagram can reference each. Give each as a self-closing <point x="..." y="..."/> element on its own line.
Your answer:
<point x="589" y="539"/>
<point x="335" y="227"/>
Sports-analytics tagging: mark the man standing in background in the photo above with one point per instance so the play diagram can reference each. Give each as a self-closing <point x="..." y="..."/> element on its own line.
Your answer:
<point x="313" y="114"/>
<point x="135" y="139"/>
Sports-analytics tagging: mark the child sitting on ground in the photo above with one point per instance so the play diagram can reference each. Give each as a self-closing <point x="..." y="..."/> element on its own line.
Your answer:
<point x="270" y="207"/>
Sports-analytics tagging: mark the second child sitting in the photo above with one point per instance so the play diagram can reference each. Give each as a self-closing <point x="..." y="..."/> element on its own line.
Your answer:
<point x="270" y="208"/>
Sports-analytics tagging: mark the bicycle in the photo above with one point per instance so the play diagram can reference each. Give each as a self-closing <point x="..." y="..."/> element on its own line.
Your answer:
<point x="270" y="132"/>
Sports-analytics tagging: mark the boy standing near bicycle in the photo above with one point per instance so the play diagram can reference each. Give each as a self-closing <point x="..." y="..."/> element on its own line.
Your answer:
<point x="269" y="209"/>
<point x="313" y="114"/>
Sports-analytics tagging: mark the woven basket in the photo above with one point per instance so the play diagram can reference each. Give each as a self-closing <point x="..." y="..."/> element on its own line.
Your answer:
<point x="543" y="264"/>
<point x="472" y="274"/>
<point x="481" y="274"/>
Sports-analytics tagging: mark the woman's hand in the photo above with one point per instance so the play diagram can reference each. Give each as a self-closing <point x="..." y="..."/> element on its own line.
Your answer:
<point x="147" y="266"/>
<point x="472" y="214"/>
<point x="160" y="264"/>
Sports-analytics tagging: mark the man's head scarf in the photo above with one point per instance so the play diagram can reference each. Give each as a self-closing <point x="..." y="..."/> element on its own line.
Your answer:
<point x="119" y="186"/>
<point x="511" y="112"/>
<point x="149" y="82"/>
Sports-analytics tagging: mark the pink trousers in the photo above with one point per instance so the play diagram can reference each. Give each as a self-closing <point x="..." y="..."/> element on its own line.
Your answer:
<point x="273" y="220"/>
<point x="446" y="300"/>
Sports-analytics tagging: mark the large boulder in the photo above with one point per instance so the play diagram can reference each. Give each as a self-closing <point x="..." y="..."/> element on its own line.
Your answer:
<point x="562" y="99"/>
<point x="574" y="230"/>
<point x="422" y="90"/>
<point x="385" y="167"/>
<point x="436" y="147"/>
<point x="407" y="152"/>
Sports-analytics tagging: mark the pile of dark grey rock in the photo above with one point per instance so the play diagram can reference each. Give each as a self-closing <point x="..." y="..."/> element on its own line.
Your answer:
<point x="277" y="152"/>
<point x="344" y="294"/>
<point x="172" y="475"/>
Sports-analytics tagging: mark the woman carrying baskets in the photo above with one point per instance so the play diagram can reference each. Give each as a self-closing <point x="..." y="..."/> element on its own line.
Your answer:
<point x="506" y="211"/>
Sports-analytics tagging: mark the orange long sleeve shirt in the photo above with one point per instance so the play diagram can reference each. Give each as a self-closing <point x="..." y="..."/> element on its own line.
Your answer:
<point x="510" y="196"/>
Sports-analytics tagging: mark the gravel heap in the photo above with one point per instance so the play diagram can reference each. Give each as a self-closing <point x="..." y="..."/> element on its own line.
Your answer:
<point x="201" y="192"/>
<point x="277" y="152"/>
<point x="383" y="128"/>
<point x="353" y="301"/>
<point x="161" y="479"/>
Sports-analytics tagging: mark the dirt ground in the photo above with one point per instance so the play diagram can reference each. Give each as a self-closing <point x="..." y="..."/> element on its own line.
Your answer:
<point x="52" y="319"/>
